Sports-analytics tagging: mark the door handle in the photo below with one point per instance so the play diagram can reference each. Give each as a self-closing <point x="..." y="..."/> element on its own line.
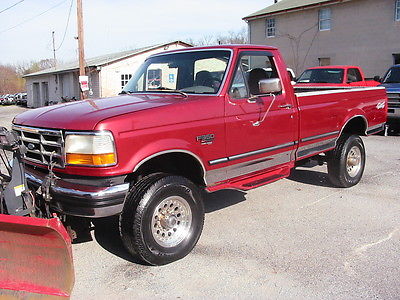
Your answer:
<point x="287" y="106"/>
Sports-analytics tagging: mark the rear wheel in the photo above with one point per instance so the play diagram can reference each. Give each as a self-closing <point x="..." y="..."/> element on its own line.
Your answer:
<point x="162" y="218"/>
<point x="346" y="162"/>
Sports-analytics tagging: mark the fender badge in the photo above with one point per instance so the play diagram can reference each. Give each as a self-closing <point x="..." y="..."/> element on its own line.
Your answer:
<point x="206" y="139"/>
<point x="380" y="105"/>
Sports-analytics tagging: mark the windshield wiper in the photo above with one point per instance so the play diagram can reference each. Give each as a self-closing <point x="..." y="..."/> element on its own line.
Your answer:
<point x="165" y="89"/>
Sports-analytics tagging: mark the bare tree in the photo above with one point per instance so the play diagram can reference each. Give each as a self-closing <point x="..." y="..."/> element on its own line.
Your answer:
<point x="11" y="77"/>
<point x="295" y="42"/>
<point x="10" y="81"/>
<point x="35" y="66"/>
<point x="231" y="37"/>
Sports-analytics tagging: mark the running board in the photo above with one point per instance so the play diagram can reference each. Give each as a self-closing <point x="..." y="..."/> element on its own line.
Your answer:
<point x="254" y="180"/>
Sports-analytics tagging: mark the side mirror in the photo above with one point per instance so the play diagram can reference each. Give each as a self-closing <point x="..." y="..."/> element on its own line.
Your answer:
<point x="269" y="86"/>
<point x="377" y="78"/>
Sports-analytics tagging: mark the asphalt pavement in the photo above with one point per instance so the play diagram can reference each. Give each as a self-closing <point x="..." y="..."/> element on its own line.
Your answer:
<point x="298" y="238"/>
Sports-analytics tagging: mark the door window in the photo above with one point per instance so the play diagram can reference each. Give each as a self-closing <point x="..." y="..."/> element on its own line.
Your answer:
<point x="250" y="70"/>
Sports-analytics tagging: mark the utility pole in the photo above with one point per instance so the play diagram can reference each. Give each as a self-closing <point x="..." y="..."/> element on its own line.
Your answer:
<point x="54" y="51"/>
<point x="81" y="43"/>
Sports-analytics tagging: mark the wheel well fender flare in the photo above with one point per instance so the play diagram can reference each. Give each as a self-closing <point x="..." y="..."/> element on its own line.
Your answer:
<point x="353" y="117"/>
<point x="162" y="147"/>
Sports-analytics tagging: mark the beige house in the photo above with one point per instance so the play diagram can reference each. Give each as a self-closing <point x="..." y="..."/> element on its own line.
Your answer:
<point x="107" y="75"/>
<point x="331" y="32"/>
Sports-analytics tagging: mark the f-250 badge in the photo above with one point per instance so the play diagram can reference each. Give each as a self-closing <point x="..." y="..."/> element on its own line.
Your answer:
<point x="206" y="139"/>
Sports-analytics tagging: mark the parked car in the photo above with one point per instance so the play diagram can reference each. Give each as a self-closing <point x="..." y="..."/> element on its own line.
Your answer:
<point x="334" y="76"/>
<point x="146" y="154"/>
<point x="8" y="99"/>
<point x="5" y="100"/>
<point x="391" y="81"/>
<point x="21" y="99"/>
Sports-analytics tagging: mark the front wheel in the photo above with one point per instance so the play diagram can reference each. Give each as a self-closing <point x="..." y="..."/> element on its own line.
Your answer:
<point x="162" y="218"/>
<point x="346" y="162"/>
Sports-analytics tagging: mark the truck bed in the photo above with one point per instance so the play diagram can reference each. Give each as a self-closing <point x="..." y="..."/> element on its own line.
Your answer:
<point x="322" y="113"/>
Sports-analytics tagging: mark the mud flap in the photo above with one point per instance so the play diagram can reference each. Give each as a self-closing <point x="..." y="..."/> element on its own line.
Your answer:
<point x="35" y="258"/>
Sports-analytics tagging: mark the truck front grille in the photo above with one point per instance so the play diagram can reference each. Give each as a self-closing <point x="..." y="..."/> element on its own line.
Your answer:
<point x="41" y="144"/>
<point x="393" y="100"/>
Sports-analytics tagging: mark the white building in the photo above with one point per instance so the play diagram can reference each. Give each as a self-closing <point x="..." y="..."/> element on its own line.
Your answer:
<point x="107" y="75"/>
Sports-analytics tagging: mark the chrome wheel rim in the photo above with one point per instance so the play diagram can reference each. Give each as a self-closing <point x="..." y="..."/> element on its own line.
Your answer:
<point x="171" y="221"/>
<point x="353" y="162"/>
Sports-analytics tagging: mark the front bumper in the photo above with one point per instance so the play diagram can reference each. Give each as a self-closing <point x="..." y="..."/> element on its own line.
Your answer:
<point x="92" y="198"/>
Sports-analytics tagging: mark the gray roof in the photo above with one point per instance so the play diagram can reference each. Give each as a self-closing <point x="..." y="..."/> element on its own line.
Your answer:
<point x="285" y="5"/>
<point x="101" y="60"/>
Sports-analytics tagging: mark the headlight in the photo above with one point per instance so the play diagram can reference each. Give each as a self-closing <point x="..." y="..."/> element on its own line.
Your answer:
<point x="90" y="149"/>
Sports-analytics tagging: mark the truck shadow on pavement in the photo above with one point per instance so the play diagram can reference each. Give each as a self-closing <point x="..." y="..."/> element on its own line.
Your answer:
<point x="222" y="199"/>
<point x="106" y="233"/>
<point x="106" y="229"/>
<point x="310" y="177"/>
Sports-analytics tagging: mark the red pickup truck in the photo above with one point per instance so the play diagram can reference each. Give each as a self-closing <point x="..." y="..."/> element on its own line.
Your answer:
<point x="334" y="77"/>
<point x="216" y="120"/>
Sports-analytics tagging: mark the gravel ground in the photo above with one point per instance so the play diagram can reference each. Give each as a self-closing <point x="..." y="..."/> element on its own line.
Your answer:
<point x="296" y="238"/>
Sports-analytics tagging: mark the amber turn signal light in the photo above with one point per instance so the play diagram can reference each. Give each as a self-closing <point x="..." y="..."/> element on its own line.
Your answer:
<point x="105" y="159"/>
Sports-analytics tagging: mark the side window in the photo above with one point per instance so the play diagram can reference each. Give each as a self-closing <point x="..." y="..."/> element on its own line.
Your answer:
<point x="251" y="69"/>
<point x="238" y="89"/>
<point x="353" y="75"/>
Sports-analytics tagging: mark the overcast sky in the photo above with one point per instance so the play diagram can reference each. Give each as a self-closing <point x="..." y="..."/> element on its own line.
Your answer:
<point x="112" y="26"/>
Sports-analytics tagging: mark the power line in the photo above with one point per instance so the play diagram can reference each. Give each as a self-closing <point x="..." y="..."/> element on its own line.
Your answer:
<point x="66" y="26"/>
<point x="32" y="18"/>
<point x="11" y="6"/>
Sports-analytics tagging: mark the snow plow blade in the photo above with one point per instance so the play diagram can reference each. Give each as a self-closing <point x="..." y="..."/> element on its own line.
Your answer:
<point x="35" y="259"/>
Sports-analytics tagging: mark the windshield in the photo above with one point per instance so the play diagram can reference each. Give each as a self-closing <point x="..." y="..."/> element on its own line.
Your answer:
<point x="321" y="76"/>
<point x="197" y="72"/>
<point x="392" y="76"/>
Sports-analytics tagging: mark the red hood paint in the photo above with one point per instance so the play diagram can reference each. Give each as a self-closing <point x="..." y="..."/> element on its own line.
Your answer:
<point x="85" y="114"/>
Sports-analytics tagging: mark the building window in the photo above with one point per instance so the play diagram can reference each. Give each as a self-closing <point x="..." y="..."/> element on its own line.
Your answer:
<point x="397" y="12"/>
<point x="154" y="78"/>
<point x="124" y="79"/>
<point x="324" y="19"/>
<point x="324" y="61"/>
<point x="396" y="58"/>
<point x="270" y="25"/>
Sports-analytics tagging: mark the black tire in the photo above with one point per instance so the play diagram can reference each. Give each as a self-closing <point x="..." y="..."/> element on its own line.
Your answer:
<point x="340" y="170"/>
<point x="139" y="220"/>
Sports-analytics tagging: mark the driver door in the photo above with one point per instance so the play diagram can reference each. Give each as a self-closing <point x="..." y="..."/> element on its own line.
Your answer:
<point x="260" y="129"/>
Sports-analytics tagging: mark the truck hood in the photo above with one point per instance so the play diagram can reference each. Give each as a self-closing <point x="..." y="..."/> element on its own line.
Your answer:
<point x="392" y="87"/>
<point x="85" y="114"/>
